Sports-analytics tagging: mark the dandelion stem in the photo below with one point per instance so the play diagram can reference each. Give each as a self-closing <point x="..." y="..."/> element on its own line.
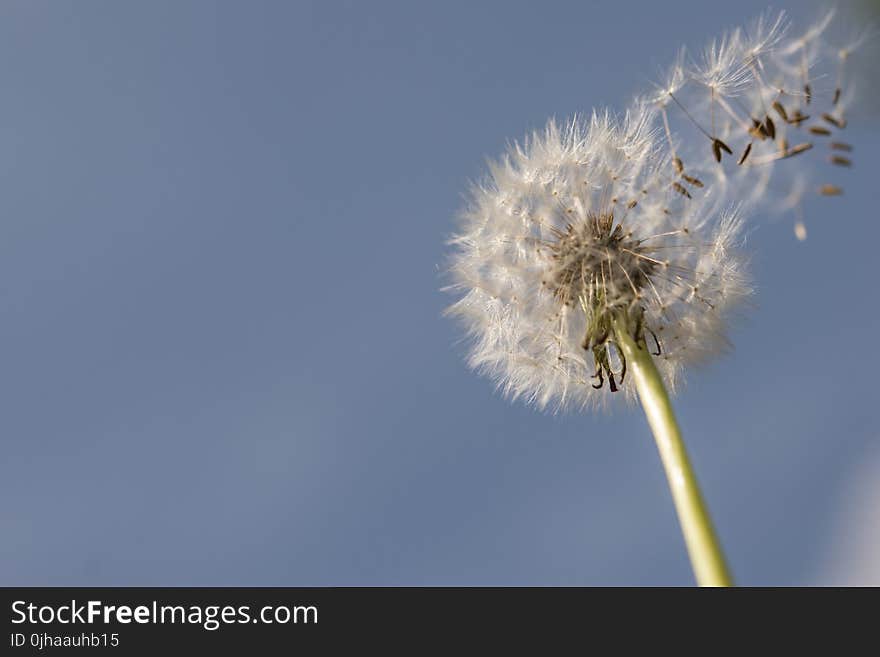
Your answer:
<point x="707" y="559"/>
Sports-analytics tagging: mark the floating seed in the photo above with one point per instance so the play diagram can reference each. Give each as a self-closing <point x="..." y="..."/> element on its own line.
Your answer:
<point x="718" y="146"/>
<point x="780" y="110"/>
<point x="798" y="118"/>
<point x="758" y="130"/>
<point x="769" y="127"/>
<point x="833" y="120"/>
<point x="681" y="189"/>
<point x="745" y="154"/>
<point x="830" y="190"/>
<point x="797" y="150"/>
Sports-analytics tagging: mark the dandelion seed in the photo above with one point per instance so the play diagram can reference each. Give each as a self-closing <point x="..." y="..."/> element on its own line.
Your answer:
<point x="796" y="150"/>
<point x="798" y="118"/>
<point x="681" y="189"/>
<point x="780" y="110"/>
<point x="770" y="128"/>
<point x="833" y="120"/>
<point x="696" y="182"/>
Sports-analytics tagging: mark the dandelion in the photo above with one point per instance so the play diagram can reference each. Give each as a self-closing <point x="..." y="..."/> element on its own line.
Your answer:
<point x="577" y="229"/>
<point x="599" y="258"/>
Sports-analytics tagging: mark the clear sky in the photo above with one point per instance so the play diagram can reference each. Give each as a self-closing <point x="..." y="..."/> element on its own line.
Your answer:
<point x="222" y="356"/>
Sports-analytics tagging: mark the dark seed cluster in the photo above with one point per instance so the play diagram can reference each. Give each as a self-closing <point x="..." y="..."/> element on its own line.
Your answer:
<point x="601" y="267"/>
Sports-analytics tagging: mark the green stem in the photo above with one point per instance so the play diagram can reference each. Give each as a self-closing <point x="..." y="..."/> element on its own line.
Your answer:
<point x="703" y="548"/>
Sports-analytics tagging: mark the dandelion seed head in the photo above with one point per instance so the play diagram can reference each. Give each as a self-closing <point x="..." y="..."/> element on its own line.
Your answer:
<point x="572" y="227"/>
<point x="632" y="223"/>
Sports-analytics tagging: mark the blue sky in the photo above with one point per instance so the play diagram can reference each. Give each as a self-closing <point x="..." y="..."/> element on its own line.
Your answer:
<point x="223" y="355"/>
